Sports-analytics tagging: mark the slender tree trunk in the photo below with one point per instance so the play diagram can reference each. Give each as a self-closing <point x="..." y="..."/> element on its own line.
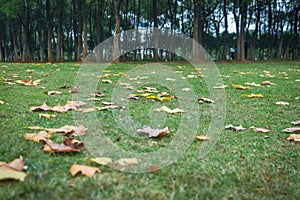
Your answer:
<point x="225" y="48"/>
<point x="49" y="30"/>
<point x="155" y="49"/>
<point x="118" y="30"/>
<point x="59" y="31"/>
<point x="85" y="50"/>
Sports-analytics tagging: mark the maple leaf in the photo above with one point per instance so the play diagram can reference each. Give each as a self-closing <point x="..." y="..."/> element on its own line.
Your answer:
<point x="154" y="133"/>
<point x="168" y="110"/>
<point x="296" y="123"/>
<point x="235" y="128"/>
<point x="126" y="161"/>
<point x="44" y="107"/>
<point x="291" y="130"/>
<point x="253" y="95"/>
<point x="41" y="136"/>
<point x="239" y="87"/>
<point x="12" y="170"/>
<point x="203" y="99"/>
<point x="101" y="160"/>
<point x="294" y="137"/>
<point x="85" y="170"/>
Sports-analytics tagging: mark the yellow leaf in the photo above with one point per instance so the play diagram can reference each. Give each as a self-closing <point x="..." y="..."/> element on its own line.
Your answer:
<point x="101" y="160"/>
<point x="6" y="174"/>
<point x="85" y="170"/>
<point x="240" y="87"/>
<point x="253" y="95"/>
<point x="47" y="116"/>
<point x="106" y="81"/>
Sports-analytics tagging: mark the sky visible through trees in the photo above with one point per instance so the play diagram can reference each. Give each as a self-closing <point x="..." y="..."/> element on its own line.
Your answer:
<point x="65" y="30"/>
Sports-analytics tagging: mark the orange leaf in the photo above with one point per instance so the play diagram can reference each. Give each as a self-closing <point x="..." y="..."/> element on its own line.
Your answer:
<point x="85" y="170"/>
<point x="41" y="136"/>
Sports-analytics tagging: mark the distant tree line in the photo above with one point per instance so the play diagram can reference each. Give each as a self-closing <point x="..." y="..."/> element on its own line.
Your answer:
<point x="68" y="30"/>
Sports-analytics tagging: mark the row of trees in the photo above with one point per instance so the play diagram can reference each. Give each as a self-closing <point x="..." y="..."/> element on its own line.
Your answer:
<point x="60" y="30"/>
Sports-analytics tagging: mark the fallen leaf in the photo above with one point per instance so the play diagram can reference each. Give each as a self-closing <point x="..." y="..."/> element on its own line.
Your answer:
<point x="252" y="84"/>
<point x="168" y="110"/>
<point x="291" y="130"/>
<point x="41" y="136"/>
<point x="261" y="130"/>
<point x="267" y="83"/>
<point x="202" y="137"/>
<point x="85" y="170"/>
<point x="12" y="170"/>
<point x="74" y="105"/>
<point x="220" y="87"/>
<point x="47" y="116"/>
<point x="282" y="103"/>
<point x="154" y="168"/>
<point x="154" y="133"/>
<point x="76" y="89"/>
<point x="186" y="89"/>
<point x="296" y="123"/>
<point x="235" y="128"/>
<point x="29" y="83"/>
<point x="163" y="94"/>
<point x="294" y="137"/>
<point x="35" y="128"/>
<point x="76" y="144"/>
<point x="126" y="161"/>
<point x="93" y="99"/>
<point x="53" y="93"/>
<point x="44" y="107"/>
<point x="253" y="95"/>
<point x="101" y="160"/>
<point x="170" y="79"/>
<point x="86" y="110"/>
<point x="64" y="87"/>
<point x="51" y="147"/>
<point x="61" y="109"/>
<point x="107" y="103"/>
<point x="69" y="130"/>
<point x="1" y="102"/>
<point x="110" y="107"/>
<point x="203" y="99"/>
<point x="240" y="87"/>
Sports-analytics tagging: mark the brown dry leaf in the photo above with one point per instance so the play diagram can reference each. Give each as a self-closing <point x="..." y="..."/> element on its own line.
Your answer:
<point x="64" y="87"/>
<point x="61" y="109"/>
<point x="74" y="90"/>
<point x="85" y="170"/>
<point x="51" y="147"/>
<point x="261" y="130"/>
<point x="235" y="128"/>
<point x="252" y="84"/>
<point x="74" y="105"/>
<point x="106" y="81"/>
<point x="295" y="123"/>
<point x="29" y="83"/>
<point x="203" y="99"/>
<point x="107" y="103"/>
<point x="53" y="93"/>
<point x="69" y="130"/>
<point x="239" y="87"/>
<point x="43" y="107"/>
<point x="12" y="170"/>
<point x="163" y="94"/>
<point x="202" y="137"/>
<point x="97" y="94"/>
<point x="168" y="110"/>
<point x="41" y="136"/>
<point x="282" y="103"/>
<point x="86" y="110"/>
<point x="291" y="130"/>
<point x="101" y="160"/>
<point x="76" y="144"/>
<point x="294" y="137"/>
<point x="154" y="133"/>
<point x="126" y="161"/>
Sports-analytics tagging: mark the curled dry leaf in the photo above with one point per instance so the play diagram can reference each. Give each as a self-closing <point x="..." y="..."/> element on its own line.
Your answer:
<point x="107" y="103"/>
<point x="76" y="89"/>
<point x="35" y="128"/>
<point x="85" y="170"/>
<point x="1" y="102"/>
<point x="261" y="130"/>
<point x="86" y="110"/>
<point x="252" y="84"/>
<point x="29" y="83"/>
<point x="154" y="133"/>
<point x="220" y="87"/>
<point x="47" y="116"/>
<point x="126" y="162"/>
<point x="41" y="136"/>
<point x="163" y="94"/>
<point x="239" y="87"/>
<point x="110" y="107"/>
<point x="76" y="144"/>
<point x="267" y="83"/>
<point x="291" y="130"/>
<point x="253" y="95"/>
<point x="295" y="123"/>
<point x="51" y="147"/>
<point x="294" y="137"/>
<point x="168" y="110"/>
<point x="282" y="103"/>
<point x="235" y="128"/>
<point x="12" y="170"/>
<point x="106" y="81"/>
<point x="43" y="107"/>
<point x="101" y="160"/>
<point x="69" y="130"/>
<point x="203" y="99"/>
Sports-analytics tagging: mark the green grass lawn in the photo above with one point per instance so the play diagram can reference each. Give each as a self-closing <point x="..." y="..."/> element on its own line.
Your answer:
<point x="242" y="165"/>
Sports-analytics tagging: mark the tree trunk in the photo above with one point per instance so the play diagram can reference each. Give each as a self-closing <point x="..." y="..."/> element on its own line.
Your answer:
<point x="118" y="30"/>
<point x="155" y="49"/>
<point x="59" y="31"/>
<point x="85" y="38"/>
<point x="49" y="30"/>
<point x="225" y="48"/>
